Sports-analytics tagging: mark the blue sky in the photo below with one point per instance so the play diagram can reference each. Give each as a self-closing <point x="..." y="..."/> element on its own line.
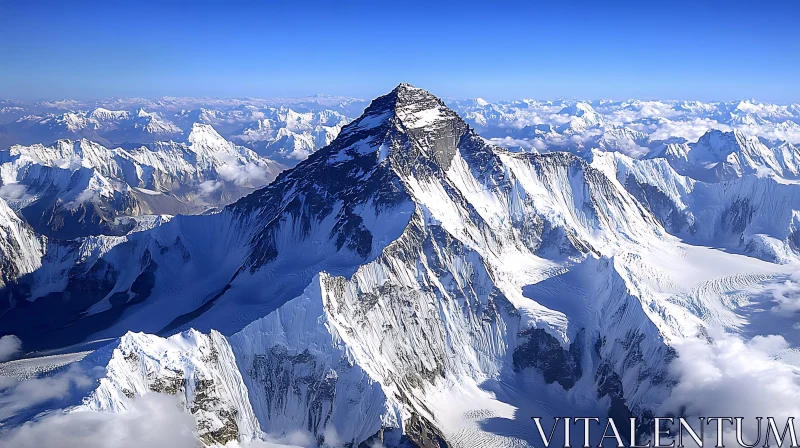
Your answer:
<point x="603" y="49"/>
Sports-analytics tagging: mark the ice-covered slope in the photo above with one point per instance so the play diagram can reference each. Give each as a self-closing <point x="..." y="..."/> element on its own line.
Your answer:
<point x="301" y="375"/>
<point x="77" y="188"/>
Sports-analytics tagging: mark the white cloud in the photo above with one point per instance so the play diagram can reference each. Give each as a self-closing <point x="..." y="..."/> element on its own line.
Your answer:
<point x="691" y="130"/>
<point x="208" y="187"/>
<point x="83" y="197"/>
<point x="511" y="143"/>
<point x="786" y="295"/>
<point x="16" y="395"/>
<point x="642" y="109"/>
<point x="247" y="175"/>
<point x="155" y="421"/>
<point x="13" y="191"/>
<point x="660" y="120"/>
<point x="787" y="131"/>
<point x="10" y="346"/>
<point x="299" y="154"/>
<point x="242" y="174"/>
<point x="734" y="377"/>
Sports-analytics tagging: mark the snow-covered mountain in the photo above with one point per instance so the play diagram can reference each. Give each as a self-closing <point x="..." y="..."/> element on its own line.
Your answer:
<point x="286" y="130"/>
<point x="103" y="125"/>
<point x="719" y="156"/>
<point x="289" y="137"/>
<point x="79" y="188"/>
<point x="410" y="284"/>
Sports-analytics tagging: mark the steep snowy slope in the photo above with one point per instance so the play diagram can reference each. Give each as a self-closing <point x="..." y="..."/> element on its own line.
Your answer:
<point x="343" y="206"/>
<point x="408" y="283"/>
<point x="21" y="250"/>
<point x="80" y="188"/>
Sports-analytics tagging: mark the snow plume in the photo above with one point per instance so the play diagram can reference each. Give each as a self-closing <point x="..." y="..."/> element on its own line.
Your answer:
<point x="155" y="421"/>
<point x="10" y="346"/>
<point x="330" y="438"/>
<point x="734" y="377"/>
<point x="294" y="439"/>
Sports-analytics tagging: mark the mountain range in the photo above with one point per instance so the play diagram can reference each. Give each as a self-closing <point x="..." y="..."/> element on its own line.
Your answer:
<point x="81" y="188"/>
<point x="284" y="130"/>
<point x="409" y="282"/>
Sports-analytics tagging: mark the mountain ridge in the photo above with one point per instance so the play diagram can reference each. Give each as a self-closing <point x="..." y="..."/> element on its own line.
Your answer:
<point x="404" y="267"/>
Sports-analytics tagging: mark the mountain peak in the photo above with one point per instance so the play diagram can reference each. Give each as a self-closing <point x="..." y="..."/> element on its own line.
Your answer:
<point x="404" y="87"/>
<point x="578" y="109"/>
<point x="429" y="125"/>
<point x="203" y="138"/>
<point x="718" y="138"/>
<point x="414" y="107"/>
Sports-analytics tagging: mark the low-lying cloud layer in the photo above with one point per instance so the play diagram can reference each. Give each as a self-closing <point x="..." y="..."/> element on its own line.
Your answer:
<point x="156" y="421"/>
<point x="731" y="376"/>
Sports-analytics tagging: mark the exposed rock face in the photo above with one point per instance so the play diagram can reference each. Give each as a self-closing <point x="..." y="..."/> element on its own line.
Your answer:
<point x="544" y="353"/>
